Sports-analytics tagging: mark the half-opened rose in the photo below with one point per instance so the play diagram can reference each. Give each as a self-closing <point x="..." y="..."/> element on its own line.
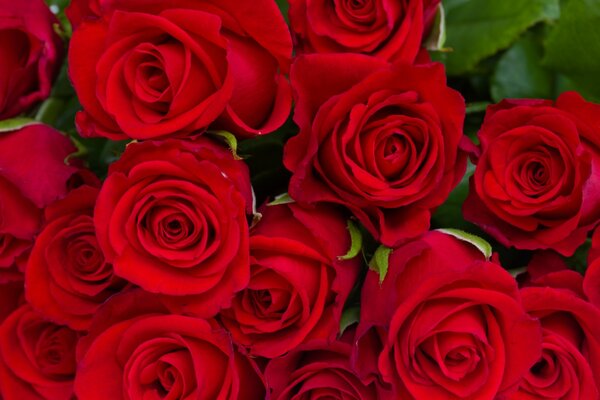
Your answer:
<point x="569" y="367"/>
<point x="450" y="325"/>
<point x="171" y="218"/>
<point x="137" y="351"/>
<point x="538" y="173"/>
<point x="298" y="285"/>
<point x="37" y="357"/>
<point x="148" y="69"/>
<point x="377" y="138"/>
<point x="67" y="277"/>
<point x="388" y="29"/>
<point x="320" y="371"/>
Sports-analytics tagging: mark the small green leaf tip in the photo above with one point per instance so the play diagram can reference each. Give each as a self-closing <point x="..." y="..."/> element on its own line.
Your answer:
<point x="476" y="241"/>
<point x="14" y="124"/>
<point x="350" y="316"/>
<point x="281" y="199"/>
<point x="356" y="241"/>
<point x="231" y="141"/>
<point x="380" y="262"/>
<point x="437" y="37"/>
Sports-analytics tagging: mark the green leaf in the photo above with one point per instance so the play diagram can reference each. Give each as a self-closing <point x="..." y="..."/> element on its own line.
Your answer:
<point x="437" y="37"/>
<point x="282" y="199"/>
<point x="230" y="139"/>
<point x="477" y="29"/>
<point x="476" y="241"/>
<point x="517" y="271"/>
<point x="578" y="261"/>
<point x="573" y="45"/>
<point x="380" y="262"/>
<point x="284" y="7"/>
<point x="477" y="107"/>
<point x="14" y="124"/>
<point x="58" y="8"/>
<point x="356" y="241"/>
<point x="350" y="316"/>
<point x="49" y="111"/>
<point x="519" y="73"/>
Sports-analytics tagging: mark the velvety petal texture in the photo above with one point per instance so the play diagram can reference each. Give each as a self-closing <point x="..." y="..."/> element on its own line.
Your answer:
<point x="320" y="371"/>
<point x="445" y="324"/>
<point x="537" y="176"/>
<point x="26" y="188"/>
<point x="149" y="69"/>
<point x="171" y="218"/>
<point x="569" y="367"/>
<point x="298" y="285"/>
<point x="37" y="357"/>
<point x="388" y="29"/>
<point x="67" y="276"/>
<point x="379" y="139"/>
<point x="143" y="353"/>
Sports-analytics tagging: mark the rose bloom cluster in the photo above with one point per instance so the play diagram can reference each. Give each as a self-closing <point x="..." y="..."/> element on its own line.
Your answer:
<point x="166" y="280"/>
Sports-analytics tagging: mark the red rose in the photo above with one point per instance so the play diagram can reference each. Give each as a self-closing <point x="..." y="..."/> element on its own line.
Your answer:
<point x="31" y="54"/>
<point x="149" y="68"/>
<point x="389" y="29"/>
<point x="320" y="371"/>
<point x="37" y="357"/>
<point x="171" y="218"/>
<point x="298" y="286"/>
<point x="569" y="367"/>
<point x="450" y="325"/>
<point x="538" y="173"/>
<point x="67" y="277"/>
<point x="379" y="139"/>
<point x="33" y="174"/>
<point x="137" y="352"/>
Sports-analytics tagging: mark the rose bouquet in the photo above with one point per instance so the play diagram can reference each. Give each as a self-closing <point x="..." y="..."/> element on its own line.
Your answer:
<point x="348" y="199"/>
